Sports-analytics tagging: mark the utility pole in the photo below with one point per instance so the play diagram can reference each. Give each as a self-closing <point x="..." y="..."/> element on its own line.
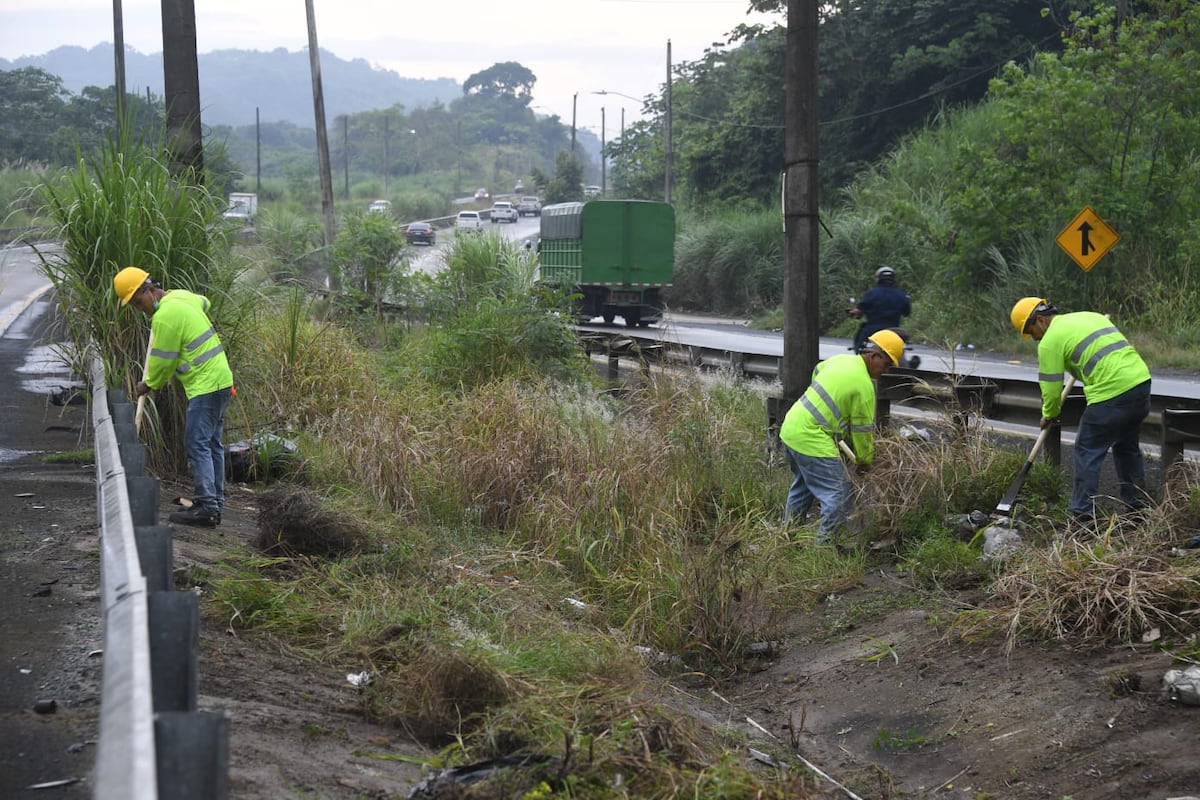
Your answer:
<point x="181" y="85"/>
<point x="668" y="156"/>
<point x="314" y="60"/>
<point x="345" y="157"/>
<point x="603" y="159"/>
<point x="257" y="152"/>
<point x="119" y="67"/>
<point x="624" y="166"/>
<point x="574" y="104"/>
<point x="386" y="157"/>
<point x="801" y="334"/>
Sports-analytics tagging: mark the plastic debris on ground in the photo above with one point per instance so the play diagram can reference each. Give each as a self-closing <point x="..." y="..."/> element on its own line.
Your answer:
<point x="1183" y="686"/>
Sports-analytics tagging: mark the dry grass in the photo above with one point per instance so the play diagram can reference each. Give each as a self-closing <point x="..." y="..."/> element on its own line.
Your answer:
<point x="1112" y="584"/>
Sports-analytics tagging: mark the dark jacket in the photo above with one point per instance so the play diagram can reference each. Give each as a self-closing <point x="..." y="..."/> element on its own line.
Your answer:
<point x="883" y="306"/>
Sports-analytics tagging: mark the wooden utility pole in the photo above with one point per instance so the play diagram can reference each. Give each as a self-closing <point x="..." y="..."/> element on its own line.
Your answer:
<point x="668" y="155"/>
<point x="314" y="61"/>
<point x="801" y="333"/>
<point x="574" y="105"/>
<point x="257" y="152"/>
<point x="119" y="67"/>
<point x="181" y="87"/>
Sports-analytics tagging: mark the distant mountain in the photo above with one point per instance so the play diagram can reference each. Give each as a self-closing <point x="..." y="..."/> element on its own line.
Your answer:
<point x="235" y="82"/>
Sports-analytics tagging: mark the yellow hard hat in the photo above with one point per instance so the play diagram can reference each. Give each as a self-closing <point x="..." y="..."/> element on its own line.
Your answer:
<point x="1023" y="310"/>
<point x="128" y="281"/>
<point x="889" y="342"/>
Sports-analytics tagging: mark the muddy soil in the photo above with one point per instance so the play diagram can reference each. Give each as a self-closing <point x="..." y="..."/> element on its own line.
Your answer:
<point x="894" y="704"/>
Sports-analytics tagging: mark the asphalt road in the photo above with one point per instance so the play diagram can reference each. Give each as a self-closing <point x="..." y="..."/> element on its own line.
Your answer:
<point x="50" y="629"/>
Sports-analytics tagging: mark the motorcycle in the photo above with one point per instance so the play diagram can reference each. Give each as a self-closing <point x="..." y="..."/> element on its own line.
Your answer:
<point x="909" y="360"/>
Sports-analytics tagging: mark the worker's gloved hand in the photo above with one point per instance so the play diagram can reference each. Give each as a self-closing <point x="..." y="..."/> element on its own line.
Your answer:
<point x="1046" y="423"/>
<point x="142" y="388"/>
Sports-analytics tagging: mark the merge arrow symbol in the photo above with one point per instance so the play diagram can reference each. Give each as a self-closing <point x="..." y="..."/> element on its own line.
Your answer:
<point x="1085" y="244"/>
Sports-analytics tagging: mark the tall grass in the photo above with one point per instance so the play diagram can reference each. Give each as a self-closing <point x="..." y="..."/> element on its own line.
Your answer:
<point x="118" y="207"/>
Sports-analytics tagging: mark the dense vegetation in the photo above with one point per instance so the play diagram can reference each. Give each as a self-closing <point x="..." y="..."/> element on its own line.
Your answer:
<point x="521" y="556"/>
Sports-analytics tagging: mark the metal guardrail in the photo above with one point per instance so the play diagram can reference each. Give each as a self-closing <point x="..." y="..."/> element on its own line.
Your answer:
<point x="1174" y="421"/>
<point x="153" y="743"/>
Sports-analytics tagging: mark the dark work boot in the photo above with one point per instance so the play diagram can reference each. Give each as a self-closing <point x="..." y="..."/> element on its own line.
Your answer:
<point x="197" y="517"/>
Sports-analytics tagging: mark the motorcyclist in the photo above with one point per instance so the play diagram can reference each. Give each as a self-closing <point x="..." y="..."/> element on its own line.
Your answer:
<point x="883" y="306"/>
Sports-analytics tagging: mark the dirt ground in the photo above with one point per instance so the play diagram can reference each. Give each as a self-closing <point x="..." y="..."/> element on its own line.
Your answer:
<point x="886" y="704"/>
<point x="927" y="715"/>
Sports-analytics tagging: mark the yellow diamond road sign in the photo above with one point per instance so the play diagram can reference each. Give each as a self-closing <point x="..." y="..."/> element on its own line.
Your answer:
<point x="1087" y="238"/>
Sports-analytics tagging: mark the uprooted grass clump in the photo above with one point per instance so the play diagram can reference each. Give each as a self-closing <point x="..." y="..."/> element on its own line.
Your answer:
<point x="294" y="522"/>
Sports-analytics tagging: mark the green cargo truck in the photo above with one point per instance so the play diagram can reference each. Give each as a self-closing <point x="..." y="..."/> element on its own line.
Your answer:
<point x="617" y="255"/>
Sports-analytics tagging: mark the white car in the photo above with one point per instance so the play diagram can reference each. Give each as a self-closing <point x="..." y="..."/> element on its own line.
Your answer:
<point x="504" y="211"/>
<point x="469" y="221"/>
<point x="529" y="205"/>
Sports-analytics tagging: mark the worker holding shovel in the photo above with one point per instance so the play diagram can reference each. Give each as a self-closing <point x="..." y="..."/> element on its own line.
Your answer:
<point x="838" y="406"/>
<point x="1116" y="384"/>
<point x="186" y="346"/>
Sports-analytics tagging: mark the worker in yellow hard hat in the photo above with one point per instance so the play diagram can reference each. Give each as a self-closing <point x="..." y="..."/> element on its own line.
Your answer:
<point x="836" y="410"/>
<point x="1116" y="383"/>
<point x="186" y="346"/>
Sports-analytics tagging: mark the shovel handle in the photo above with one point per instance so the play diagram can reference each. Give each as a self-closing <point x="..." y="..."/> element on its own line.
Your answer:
<point x="141" y="403"/>
<point x="1041" y="439"/>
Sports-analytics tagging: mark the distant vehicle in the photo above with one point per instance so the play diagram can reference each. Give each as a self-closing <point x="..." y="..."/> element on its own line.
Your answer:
<point x="243" y="206"/>
<point x="616" y="255"/>
<point x="520" y="187"/>
<point x="482" y="194"/>
<point x="420" y="233"/>
<point x="504" y="211"/>
<point x="591" y="191"/>
<point x="529" y="205"/>
<point x="380" y="206"/>
<point x="469" y="221"/>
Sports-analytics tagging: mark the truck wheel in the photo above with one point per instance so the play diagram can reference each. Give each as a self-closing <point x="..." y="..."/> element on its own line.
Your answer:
<point x="608" y="317"/>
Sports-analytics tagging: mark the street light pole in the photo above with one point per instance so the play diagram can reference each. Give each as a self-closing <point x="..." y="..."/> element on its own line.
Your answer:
<point x="667" y="154"/>
<point x="603" y="158"/>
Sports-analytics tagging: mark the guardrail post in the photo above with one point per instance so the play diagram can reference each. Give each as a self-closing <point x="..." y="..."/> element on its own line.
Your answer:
<point x="156" y="555"/>
<point x="143" y="499"/>
<point x="1179" y="426"/>
<point x="174" y="646"/>
<point x="192" y="752"/>
<point x="133" y="458"/>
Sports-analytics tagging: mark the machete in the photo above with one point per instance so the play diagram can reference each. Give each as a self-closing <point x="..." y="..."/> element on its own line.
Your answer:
<point x="1004" y="507"/>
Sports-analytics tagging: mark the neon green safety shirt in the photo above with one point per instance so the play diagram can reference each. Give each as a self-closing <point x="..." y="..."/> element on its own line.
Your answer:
<point x="186" y="346"/>
<point x="840" y="403"/>
<point x="1090" y="347"/>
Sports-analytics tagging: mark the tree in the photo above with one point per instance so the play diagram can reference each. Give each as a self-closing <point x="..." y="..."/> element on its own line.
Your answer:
<point x="567" y="184"/>
<point x="507" y="79"/>
<point x="32" y="102"/>
<point x="366" y="253"/>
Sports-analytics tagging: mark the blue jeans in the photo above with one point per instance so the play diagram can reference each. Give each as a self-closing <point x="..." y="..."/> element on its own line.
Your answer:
<point x="205" y="453"/>
<point x="1113" y="424"/>
<point x="824" y="480"/>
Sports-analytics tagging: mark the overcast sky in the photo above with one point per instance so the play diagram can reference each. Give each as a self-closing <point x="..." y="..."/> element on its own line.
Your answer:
<point x="572" y="46"/>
